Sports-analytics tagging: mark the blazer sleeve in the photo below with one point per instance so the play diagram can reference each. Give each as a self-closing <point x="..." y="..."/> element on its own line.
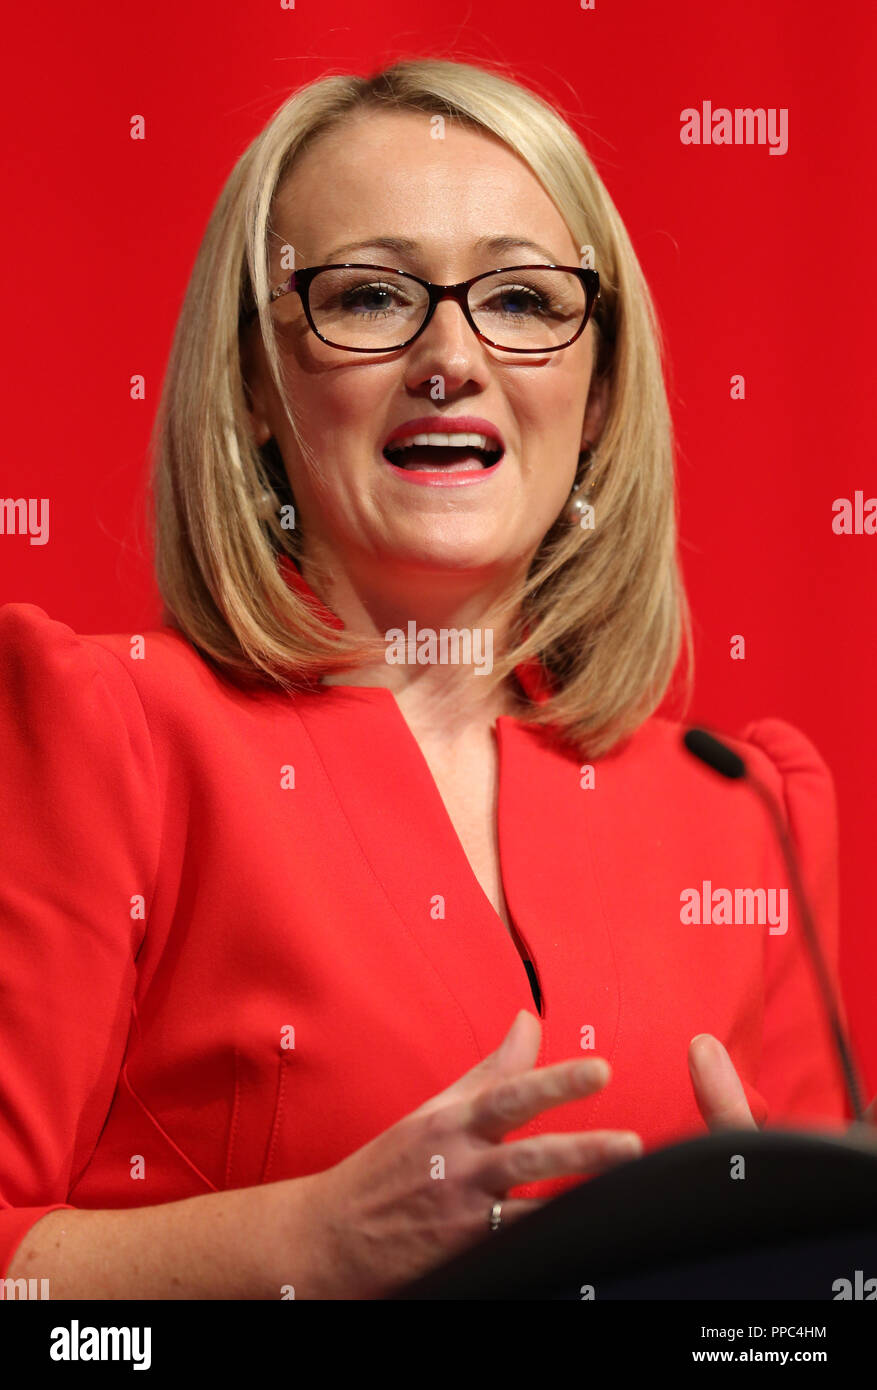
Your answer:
<point x="79" y="836"/>
<point x="800" y="1078"/>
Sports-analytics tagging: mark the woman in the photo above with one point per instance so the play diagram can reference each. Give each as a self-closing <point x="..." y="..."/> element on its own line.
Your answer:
<point x="329" y="928"/>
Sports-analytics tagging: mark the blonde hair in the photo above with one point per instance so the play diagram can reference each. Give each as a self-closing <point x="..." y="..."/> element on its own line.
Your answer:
<point x="603" y="609"/>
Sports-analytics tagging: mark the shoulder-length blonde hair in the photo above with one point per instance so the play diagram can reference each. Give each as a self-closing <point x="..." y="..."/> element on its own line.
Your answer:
<point x="604" y="609"/>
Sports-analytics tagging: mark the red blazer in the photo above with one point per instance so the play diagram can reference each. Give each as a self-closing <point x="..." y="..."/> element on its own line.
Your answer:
<point x="239" y="936"/>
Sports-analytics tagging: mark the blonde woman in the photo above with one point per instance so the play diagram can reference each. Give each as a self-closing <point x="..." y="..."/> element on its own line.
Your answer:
<point x="343" y="918"/>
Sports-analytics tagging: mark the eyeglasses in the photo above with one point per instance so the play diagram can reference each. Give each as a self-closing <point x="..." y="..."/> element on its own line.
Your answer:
<point x="374" y="308"/>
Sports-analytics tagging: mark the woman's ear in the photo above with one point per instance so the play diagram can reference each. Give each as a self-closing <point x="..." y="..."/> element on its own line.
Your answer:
<point x="260" y="427"/>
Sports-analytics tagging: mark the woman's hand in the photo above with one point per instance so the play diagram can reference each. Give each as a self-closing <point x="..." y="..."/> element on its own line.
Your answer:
<point x="720" y="1095"/>
<point x="718" y="1089"/>
<point x="423" y="1190"/>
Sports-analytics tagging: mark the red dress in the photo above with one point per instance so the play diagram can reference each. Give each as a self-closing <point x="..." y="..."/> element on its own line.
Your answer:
<point x="239" y="936"/>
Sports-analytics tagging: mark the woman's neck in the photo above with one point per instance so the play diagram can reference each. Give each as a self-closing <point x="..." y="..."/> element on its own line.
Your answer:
<point x="441" y="642"/>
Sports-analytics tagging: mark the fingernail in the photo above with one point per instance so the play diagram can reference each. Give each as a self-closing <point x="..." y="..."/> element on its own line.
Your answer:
<point x="624" y="1146"/>
<point x="595" y="1069"/>
<point x="506" y="1043"/>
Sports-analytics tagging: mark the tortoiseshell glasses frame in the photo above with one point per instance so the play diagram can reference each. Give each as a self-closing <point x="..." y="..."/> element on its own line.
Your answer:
<point x="300" y="281"/>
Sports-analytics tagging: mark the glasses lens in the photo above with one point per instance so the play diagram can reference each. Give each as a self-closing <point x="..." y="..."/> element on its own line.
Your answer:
<point x="358" y="307"/>
<point x="536" y="308"/>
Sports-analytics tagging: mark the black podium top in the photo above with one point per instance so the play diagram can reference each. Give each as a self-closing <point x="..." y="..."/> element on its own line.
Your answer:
<point x="724" y="1195"/>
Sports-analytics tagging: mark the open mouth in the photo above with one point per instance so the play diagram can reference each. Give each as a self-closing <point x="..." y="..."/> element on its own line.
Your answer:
<point x="425" y="454"/>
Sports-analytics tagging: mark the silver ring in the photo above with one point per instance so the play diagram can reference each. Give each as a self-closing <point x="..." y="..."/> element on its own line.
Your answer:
<point x="495" y="1216"/>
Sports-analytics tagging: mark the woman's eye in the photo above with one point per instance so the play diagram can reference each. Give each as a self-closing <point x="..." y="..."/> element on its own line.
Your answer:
<point x="517" y="302"/>
<point x="370" y="298"/>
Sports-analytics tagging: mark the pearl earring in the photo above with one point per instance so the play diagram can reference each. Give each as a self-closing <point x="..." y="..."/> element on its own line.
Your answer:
<point x="266" y="505"/>
<point x="577" y="506"/>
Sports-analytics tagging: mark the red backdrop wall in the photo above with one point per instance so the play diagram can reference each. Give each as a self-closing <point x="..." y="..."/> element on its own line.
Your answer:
<point x="760" y="264"/>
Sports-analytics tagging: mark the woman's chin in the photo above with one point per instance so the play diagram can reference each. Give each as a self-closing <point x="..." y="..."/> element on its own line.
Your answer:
<point x="426" y="552"/>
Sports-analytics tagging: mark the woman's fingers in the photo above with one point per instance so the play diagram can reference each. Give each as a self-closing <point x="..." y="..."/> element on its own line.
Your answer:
<point x="513" y="1208"/>
<point x="718" y="1089"/>
<point x="556" y="1156"/>
<point x="516" y="1053"/>
<point x="505" y="1105"/>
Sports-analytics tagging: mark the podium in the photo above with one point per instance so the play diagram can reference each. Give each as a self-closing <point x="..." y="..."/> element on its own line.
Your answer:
<point x="798" y="1219"/>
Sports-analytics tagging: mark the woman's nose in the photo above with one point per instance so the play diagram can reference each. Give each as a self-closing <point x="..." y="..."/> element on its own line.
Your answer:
<point x="448" y="348"/>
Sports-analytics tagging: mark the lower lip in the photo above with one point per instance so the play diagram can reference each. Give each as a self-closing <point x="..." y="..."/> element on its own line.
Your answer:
<point x="437" y="479"/>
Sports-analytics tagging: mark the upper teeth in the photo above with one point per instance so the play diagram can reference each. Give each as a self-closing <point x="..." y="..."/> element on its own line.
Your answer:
<point x="472" y="441"/>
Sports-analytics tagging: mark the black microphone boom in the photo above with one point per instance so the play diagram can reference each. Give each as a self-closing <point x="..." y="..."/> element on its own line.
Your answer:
<point x="729" y="764"/>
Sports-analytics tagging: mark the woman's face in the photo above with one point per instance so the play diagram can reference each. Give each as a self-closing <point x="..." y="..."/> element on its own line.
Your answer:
<point x="379" y="177"/>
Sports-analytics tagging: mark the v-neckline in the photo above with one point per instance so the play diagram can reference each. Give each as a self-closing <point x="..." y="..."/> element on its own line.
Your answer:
<point x="393" y="835"/>
<point x="514" y="935"/>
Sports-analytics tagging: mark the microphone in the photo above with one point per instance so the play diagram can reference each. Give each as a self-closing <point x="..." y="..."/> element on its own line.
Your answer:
<point x="729" y="764"/>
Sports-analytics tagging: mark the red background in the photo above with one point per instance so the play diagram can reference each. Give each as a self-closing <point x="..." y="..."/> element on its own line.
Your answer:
<point x="760" y="264"/>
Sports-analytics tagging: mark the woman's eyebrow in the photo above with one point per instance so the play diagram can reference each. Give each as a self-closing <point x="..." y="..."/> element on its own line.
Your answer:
<point x="406" y="246"/>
